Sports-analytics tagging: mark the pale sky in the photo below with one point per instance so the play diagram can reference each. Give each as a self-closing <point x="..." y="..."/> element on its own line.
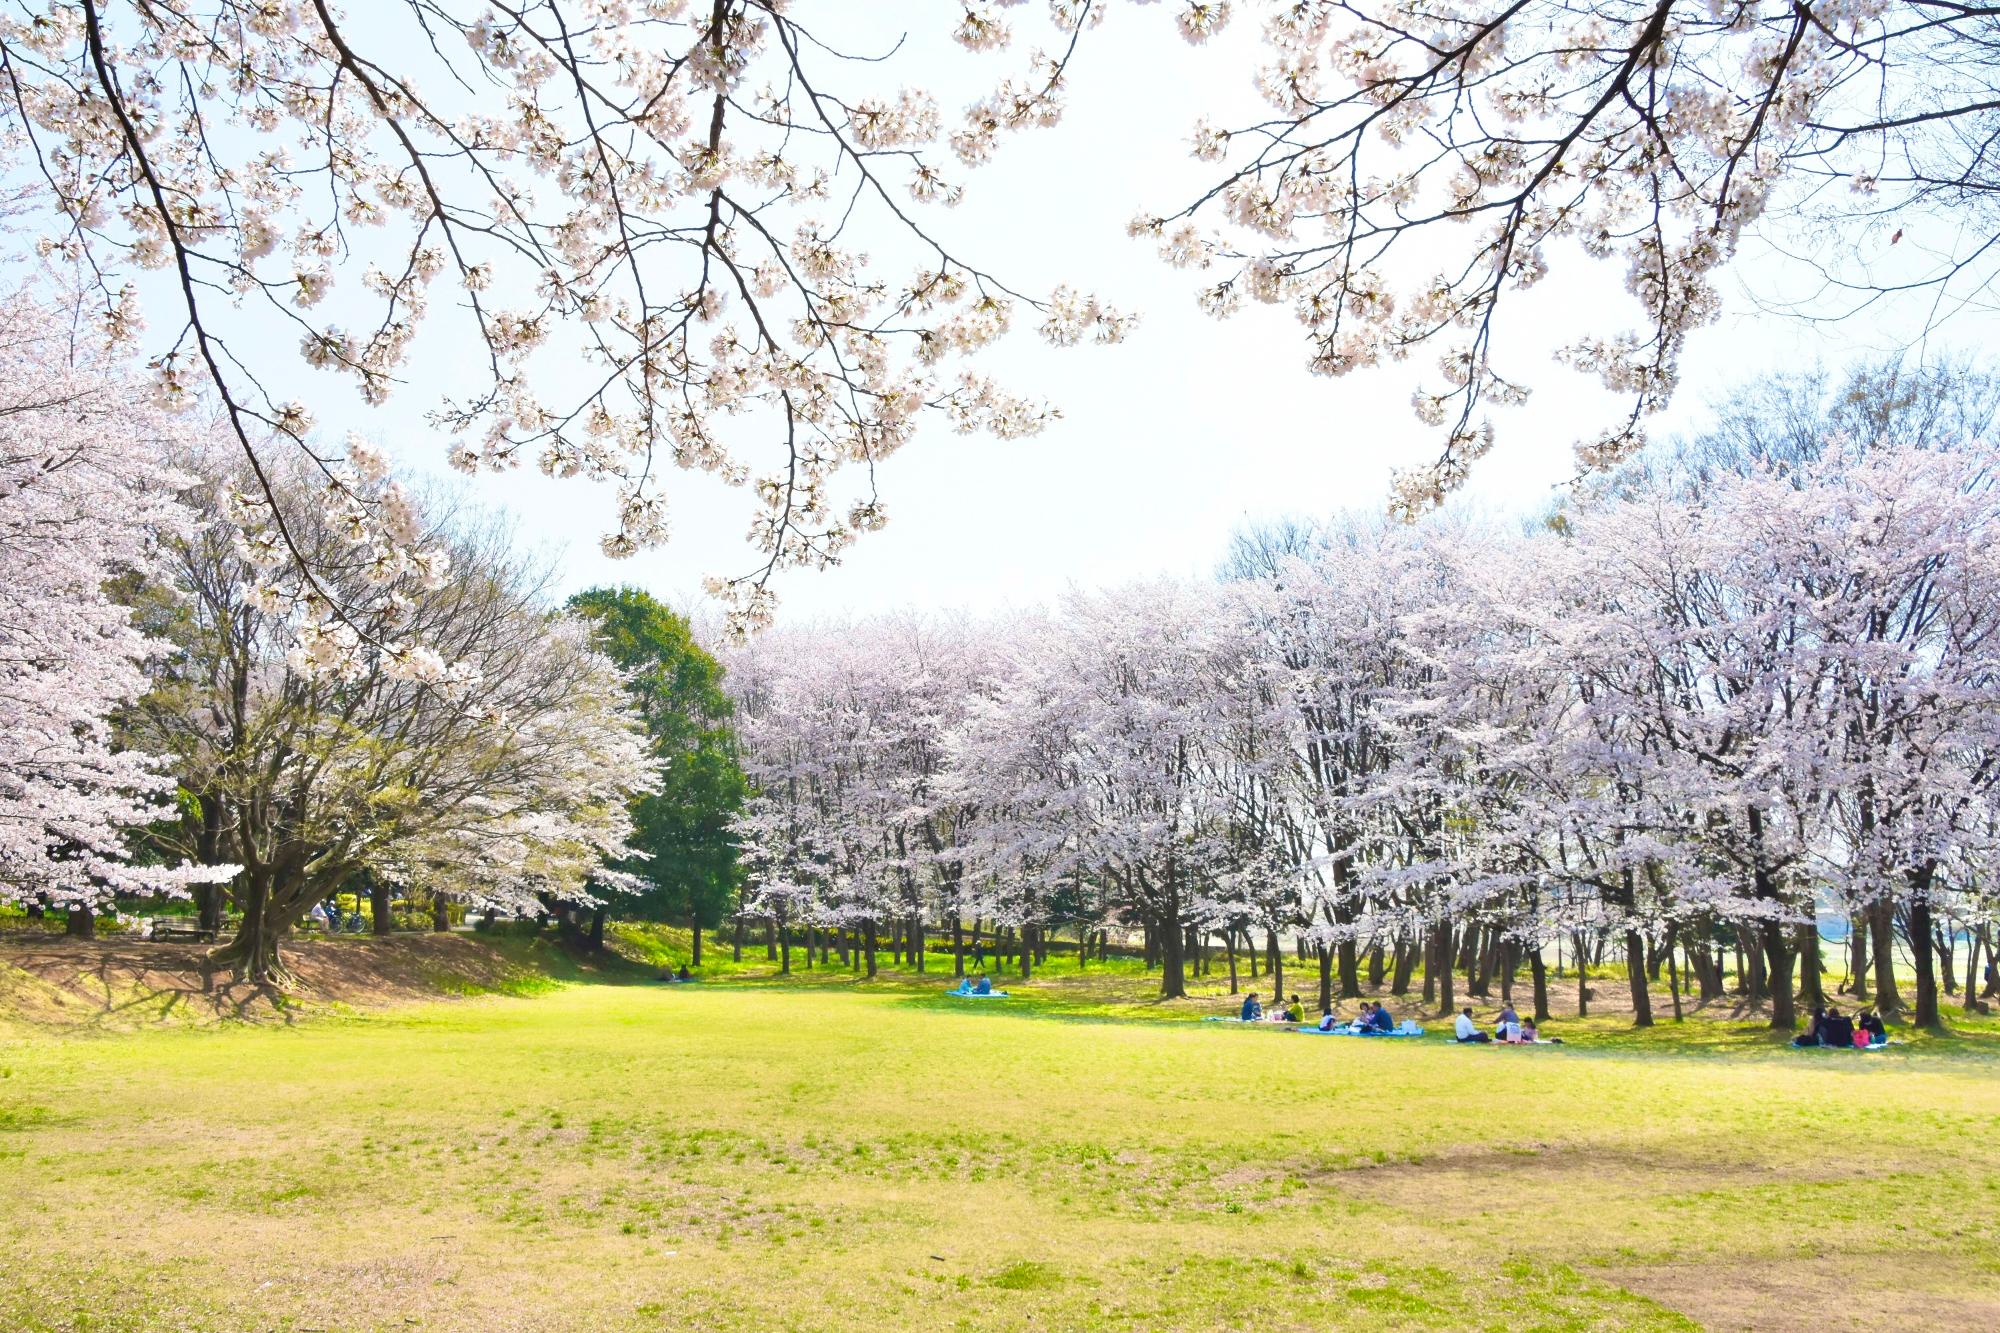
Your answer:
<point x="1168" y="441"/>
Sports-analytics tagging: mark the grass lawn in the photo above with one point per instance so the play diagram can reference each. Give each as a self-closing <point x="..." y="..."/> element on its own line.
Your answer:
<point x="757" y="1156"/>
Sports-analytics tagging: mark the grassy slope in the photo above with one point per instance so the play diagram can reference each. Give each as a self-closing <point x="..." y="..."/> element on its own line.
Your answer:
<point x="750" y="1156"/>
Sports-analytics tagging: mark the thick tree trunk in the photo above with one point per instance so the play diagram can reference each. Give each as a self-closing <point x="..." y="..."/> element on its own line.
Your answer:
<point x="208" y="904"/>
<point x="736" y="946"/>
<point x="696" y="960"/>
<point x="1538" y="971"/>
<point x="957" y="945"/>
<point x="381" y="920"/>
<point x="1027" y="953"/>
<point x="1325" y="978"/>
<point x="868" y="941"/>
<point x="1778" y="976"/>
<point x="1377" y="966"/>
<point x="441" y="920"/>
<point x="1635" y="967"/>
<point x="917" y="942"/>
<point x="1926" y="1015"/>
<point x="1510" y="960"/>
<point x="1406" y="962"/>
<point x="80" y="922"/>
<point x="252" y="953"/>
<point x="1350" y="971"/>
<point x="785" y="949"/>
<point x="1229" y="945"/>
<point x="770" y="940"/>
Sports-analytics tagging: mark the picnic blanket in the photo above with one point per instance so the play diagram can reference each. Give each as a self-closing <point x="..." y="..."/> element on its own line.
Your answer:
<point x="977" y="995"/>
<point x="1406" y="1028"/>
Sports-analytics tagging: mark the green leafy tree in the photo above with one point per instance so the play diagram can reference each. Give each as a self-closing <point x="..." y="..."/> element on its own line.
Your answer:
<point x="683" y="828"/>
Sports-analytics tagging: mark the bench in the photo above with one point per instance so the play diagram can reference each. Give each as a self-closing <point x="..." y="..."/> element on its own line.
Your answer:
<point x="180" y="928"/>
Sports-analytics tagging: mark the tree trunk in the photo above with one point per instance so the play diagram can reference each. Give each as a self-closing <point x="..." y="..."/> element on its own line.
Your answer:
<point x="208" y="904"/>
<point x="380" y="919"/>
<point x="1510" y="959"/>
<point x="770" y="940"/>
<point x="80" y="922"/>
<point x="252" y="953"/>
<point x="441" y="920"/>
<point x="1445" y="952"/>
<point x="1325" y="978"/>
<point x="1778" y="978"/>
<point x="1635" y="967"/>
<point x="696" y="960"/>
<point x="868" y="942"/>
<point x="1538" y="969"/>
<point x="917" y="942"/>
<point x="1406" y="962"/>
<point x="957" y="945"/>
<point x="1926" y="1015"/>
<point x="785" y="949"/>
<point x="1673" y="976"/>
<point x="1945" y="955"/>
<point x="1377" y="967"/>
<point x="1812" y="989"/>
<point x="1857" y="955"/>
<point x="1229" y="945"/>
<point x="1754" y="982"/>
<point x="737" y="947"/>
<point x="1027" y="952"/>
<point x="1277" y="957"/>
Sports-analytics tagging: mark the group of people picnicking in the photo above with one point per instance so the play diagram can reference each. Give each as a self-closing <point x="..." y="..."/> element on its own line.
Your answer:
<point x="1510" y="1029"/>
<point x="1286" y="1011"/>
<point x="968" y="986"/>
<point x="1830" y="1027"/>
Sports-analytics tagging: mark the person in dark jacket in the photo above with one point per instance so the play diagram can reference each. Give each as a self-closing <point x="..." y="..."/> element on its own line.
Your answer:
<point x="1811" y="1036"/>
<point x="1871" y="1023"/>
<point x="1836" y="1030"/>
<point x="1252" y="1011"/>
<point x="1380" y="1019"/>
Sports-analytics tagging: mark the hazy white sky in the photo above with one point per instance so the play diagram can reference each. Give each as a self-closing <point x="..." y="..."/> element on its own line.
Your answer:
<point x="1168" y="441"/>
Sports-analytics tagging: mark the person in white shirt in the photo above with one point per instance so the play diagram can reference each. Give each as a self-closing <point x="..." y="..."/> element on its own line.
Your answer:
<point x="1467" y="1029"/>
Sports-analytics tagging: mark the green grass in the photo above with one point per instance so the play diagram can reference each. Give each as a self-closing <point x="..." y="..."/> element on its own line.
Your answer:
<point x="756" y="1155"/>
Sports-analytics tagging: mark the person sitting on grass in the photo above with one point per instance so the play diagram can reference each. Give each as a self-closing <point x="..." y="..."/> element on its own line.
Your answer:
<point x="1836" y="1030"/>
<point x="1252" y="1011"/>
<point x="1507" y="1016"/>
<point x="1326" y="1020"/>
<point x="1468" y="1030"/>
<point x="1380" y="1020"/>
<point x="1509" y="1027"/>
<point x="984" y="986"/>
<point x="1531" y="1035"/>
<point x="1295" y="1012"/>
<point x="1870" y="1022"/>
<point x="684" y="974"/>
<point x="1811" y="1036"/>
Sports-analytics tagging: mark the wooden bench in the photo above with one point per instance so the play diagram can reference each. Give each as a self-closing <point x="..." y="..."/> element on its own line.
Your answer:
<point x="181" y="928"/>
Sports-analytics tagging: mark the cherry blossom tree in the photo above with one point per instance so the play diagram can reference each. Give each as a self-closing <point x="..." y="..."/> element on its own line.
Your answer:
<point x="84" y="491"/>
<point x="502" y="777"/>
<point x="673" y="195"/>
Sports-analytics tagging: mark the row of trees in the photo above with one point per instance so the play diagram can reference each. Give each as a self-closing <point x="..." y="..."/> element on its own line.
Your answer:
<point x="170" y="723"/>
<point x="1733" y="691"/>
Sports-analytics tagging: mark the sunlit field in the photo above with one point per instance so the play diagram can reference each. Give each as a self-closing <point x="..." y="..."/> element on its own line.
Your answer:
<point x="743" y="1156"/>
